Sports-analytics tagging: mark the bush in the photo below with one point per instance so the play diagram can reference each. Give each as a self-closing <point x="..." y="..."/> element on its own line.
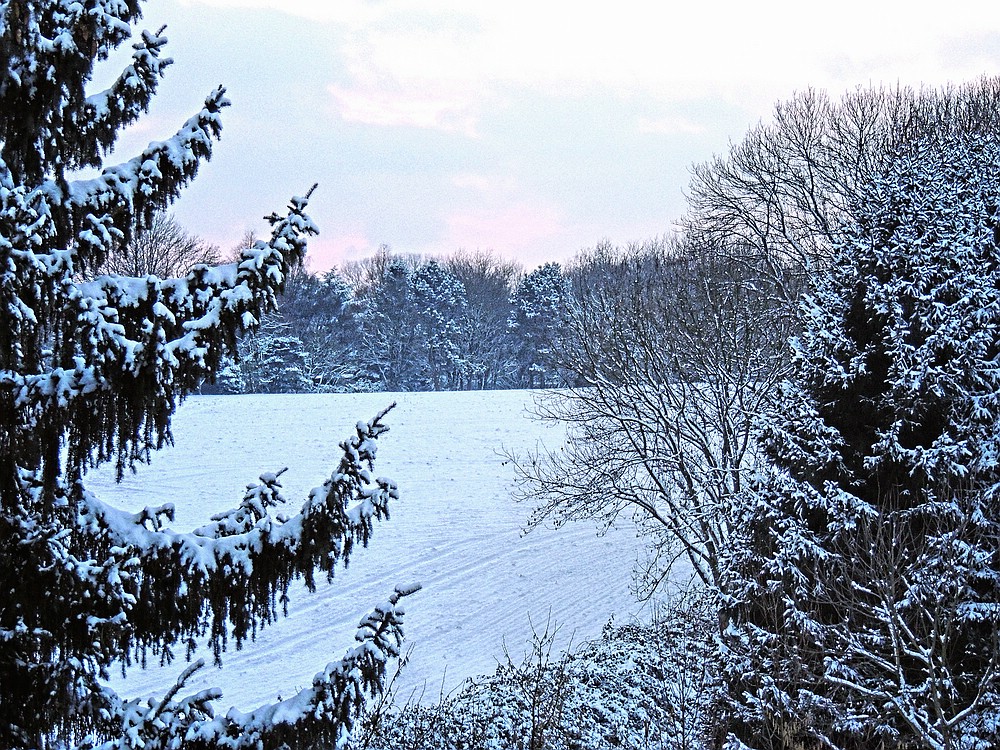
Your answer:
<point x="637" y="686"/>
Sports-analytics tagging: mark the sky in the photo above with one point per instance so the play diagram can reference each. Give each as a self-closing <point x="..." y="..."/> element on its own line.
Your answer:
<point x="530" y="128"/>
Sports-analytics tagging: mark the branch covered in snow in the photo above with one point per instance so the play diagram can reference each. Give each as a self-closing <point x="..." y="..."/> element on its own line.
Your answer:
<point x="229" y="577"/>
<point x="321" y="715"/>
<point x="146" y="342"/>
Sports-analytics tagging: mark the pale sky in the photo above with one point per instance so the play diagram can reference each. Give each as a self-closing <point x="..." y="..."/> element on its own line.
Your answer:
<point x="531" y="128"/>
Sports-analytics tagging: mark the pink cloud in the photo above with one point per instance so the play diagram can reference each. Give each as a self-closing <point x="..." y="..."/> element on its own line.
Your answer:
<point x="329" y="250"/>
<point x="519" y="230"/>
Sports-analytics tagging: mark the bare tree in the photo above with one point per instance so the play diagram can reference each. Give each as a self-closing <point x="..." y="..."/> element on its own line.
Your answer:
<point x="366" y="275"/>
<point x="781" y="195"/>
<point x="162" y="249"/>
<point x="487" y="344"/>
<point x="679" y="344"/>
<point x="676" y="353"/>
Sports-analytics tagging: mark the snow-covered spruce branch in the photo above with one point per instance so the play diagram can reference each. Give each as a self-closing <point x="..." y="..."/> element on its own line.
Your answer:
<point x="321" y="715"/>
<point x="144" y="183"/>
<point x="50" y="47"/>
<point x="229" y="578"/>
<point x="169" y="334"/>
<point x="124" y="101"/>
<point x="182" y="320"/>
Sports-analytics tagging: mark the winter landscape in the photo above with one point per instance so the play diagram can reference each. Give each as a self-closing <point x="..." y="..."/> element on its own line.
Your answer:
<point x="778" y="422"/>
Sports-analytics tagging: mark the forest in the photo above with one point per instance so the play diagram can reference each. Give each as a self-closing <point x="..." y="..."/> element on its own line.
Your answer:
<point x="402" y="323"/>
<point x="796" y="393"/>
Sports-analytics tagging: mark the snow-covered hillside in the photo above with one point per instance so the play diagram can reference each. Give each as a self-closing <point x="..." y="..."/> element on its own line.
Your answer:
<point x="456" y="531"/>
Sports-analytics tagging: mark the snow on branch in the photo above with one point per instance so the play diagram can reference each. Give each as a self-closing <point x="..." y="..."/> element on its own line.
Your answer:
<point x="139" y="186"/>
<point x="231" y="574"/>
<point x="322" y="714"/>
<point x="168" y="334"/>
<point x="104" y="113"/>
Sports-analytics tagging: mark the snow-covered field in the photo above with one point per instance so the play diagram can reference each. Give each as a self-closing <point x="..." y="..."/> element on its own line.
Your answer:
<point x="455" y="530"/>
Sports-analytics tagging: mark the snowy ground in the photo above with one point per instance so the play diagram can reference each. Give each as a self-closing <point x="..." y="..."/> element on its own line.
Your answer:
<point x="456" y="530"/>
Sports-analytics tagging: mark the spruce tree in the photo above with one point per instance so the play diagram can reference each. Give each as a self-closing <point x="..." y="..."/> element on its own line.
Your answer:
<point x="91" y="372"/>
<point x="391" y="342"/>
<point x="440" y="302"/>
<point x="540" y="305"/>
<point x="863" y="604"/>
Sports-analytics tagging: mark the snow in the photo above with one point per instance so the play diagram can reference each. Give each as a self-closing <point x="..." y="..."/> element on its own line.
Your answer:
<point x="455" y="530"/>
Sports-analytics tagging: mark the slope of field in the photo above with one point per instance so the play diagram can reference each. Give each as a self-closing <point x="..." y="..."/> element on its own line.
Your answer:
<point x="455" y="530"/>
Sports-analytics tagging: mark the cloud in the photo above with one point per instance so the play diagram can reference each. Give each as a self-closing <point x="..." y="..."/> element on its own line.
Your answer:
<point x="441" y="63"/>
<point x="347" y="11"/>
<point x="431" y="107"/>
<point x="490" y="184"/>
<point x="638" y="44"/>
<point x="532" y="128"/>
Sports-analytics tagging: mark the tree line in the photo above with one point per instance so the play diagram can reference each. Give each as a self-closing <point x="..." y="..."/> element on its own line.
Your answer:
<point x="389" y="322"/>
<point x="396" y="322"/>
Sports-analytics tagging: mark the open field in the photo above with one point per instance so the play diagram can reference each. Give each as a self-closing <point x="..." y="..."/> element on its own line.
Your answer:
<point x="456" y="530"/>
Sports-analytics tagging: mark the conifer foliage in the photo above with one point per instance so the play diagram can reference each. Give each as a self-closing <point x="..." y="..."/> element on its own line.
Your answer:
<point x="540" y="303"/>
<point x="863" y="607"/>
<point x="91" y="372"/>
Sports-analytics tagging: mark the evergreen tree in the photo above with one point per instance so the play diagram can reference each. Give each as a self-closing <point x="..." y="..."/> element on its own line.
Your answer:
<point x="540" y="303"/>
<point x="330" y="331"/>
<point x="390" y="338"/>
<point x="91" y="372"/>
<point x="439" y="299"/>
<point x="863" y="606"/>
<point x="270" y="359"/>
<point x="486" y="343"/>
<point x="310" y="344"/>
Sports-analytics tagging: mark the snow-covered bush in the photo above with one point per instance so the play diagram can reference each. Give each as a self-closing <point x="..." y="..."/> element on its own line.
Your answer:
<point x="91" y="370"/>
<point x="635" y="687"/>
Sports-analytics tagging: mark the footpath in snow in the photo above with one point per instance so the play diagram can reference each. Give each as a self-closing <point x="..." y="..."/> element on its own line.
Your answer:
<point x="455" y="530"/>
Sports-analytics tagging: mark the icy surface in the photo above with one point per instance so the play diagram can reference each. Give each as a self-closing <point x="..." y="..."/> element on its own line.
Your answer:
<point x="455" y="530"/>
